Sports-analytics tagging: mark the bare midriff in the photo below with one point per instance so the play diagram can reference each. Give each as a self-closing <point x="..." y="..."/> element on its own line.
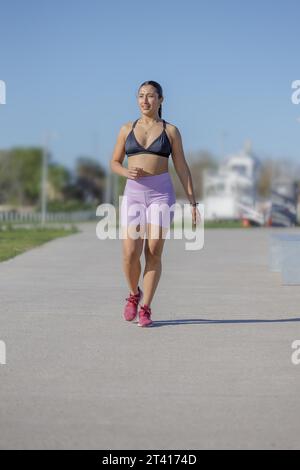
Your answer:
<point x="150" y="163"/>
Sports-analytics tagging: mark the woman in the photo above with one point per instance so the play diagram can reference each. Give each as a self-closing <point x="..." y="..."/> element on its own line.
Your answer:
<point x="148" y="142"/>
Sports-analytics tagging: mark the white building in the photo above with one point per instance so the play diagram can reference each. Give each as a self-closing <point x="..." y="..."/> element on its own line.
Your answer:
<point x="230" y="192"/>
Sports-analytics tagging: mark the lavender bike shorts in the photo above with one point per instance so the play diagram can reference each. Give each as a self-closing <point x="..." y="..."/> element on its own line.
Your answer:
<point x="148" y="199"/>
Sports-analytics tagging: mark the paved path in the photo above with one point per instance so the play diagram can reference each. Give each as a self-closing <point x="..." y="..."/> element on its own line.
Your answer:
<point x="214" y="372"/>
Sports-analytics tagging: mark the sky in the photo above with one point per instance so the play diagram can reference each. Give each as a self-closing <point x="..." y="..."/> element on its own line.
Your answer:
<point x="72" y="71"/>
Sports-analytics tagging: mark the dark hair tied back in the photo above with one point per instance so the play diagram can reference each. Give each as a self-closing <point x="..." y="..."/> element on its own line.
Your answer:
<point x="158" y="89"/>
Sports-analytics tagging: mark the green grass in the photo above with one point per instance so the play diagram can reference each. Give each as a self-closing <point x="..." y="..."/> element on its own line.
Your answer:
<point x="215" y="225"/>
<point x="229" y="224"/>
<point x="224" y="224"/>
<point x="14" y="240"/>
<point x="207" y="224"/>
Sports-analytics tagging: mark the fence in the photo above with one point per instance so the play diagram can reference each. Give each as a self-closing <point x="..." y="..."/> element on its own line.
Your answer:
<point x="34" y="217"/>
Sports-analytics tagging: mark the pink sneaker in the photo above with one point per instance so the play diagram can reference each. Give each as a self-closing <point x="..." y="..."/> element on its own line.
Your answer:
<point x="145" y="316"/>
<point x="131" y="307"/>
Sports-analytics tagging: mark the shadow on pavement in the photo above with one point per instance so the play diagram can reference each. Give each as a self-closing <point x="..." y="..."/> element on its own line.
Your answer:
<point x="195" y="321"/>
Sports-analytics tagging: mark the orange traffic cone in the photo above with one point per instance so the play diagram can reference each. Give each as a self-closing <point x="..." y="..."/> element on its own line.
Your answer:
<point x="245" y="222"/>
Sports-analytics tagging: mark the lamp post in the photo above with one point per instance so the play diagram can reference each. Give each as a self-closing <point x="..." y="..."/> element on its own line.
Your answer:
<point x="48" y="136"/>
<point x="223" y="136"/>
<point x="44" y="180"/>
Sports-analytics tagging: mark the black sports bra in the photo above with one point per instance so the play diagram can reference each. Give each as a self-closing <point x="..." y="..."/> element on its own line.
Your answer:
<point x="160" y="146"/>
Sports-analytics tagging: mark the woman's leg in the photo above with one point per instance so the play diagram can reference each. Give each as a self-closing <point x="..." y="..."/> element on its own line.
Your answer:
<point x="153" y="267"/>
<point x="133" y="230"/>
<point x="132" y="249"/>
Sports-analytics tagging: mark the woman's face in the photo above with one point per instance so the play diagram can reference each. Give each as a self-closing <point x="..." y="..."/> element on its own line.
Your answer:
<point x="148" y="100"/>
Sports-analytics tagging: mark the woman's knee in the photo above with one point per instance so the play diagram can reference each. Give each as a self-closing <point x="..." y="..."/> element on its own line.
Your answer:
<point x="131" y="252"/>
<point x="153" y="253"/>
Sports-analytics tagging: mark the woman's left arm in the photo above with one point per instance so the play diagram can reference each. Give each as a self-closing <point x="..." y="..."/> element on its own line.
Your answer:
<point x="183" y="172"/>
<point x="181" y="165"/>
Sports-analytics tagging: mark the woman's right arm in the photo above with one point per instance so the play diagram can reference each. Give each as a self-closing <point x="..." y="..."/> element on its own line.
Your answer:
<point x="119" y="154"/>
<point x="116" y="163"/>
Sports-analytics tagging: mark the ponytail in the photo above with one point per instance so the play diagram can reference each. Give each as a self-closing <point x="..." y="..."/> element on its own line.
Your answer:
<point x="159" y="90"/>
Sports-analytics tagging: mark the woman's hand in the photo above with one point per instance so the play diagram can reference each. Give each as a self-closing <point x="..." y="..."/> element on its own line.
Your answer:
<point x="135" y="172"/>
<point x="196" y="217"/>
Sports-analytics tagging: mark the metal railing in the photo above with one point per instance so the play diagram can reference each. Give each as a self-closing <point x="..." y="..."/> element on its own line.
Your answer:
<point x="35" y="217"/>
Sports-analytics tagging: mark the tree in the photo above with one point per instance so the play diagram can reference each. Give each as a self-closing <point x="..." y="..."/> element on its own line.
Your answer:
<point x="20" y="175"/>
<point x="90" y="179"/>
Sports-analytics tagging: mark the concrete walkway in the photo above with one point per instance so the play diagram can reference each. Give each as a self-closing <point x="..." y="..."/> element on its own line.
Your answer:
<point x="215" y="371"/>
